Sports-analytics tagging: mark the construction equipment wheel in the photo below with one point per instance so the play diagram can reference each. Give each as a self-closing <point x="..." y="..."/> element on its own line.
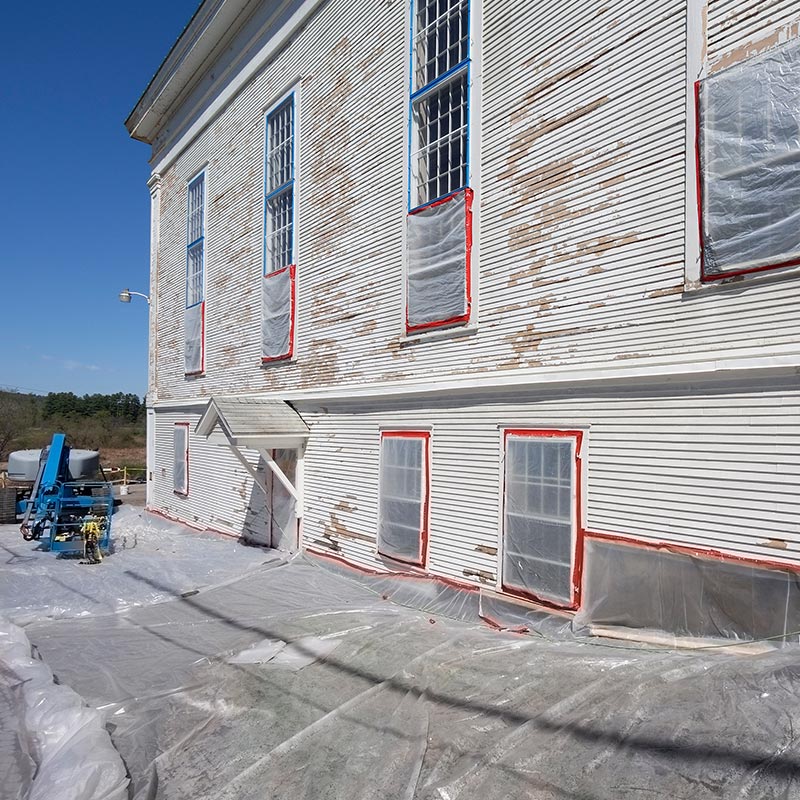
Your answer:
<point x="8" y="505"/>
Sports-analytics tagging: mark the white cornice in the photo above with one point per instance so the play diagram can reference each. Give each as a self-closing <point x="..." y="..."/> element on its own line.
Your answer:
<point x="734" y="365"/>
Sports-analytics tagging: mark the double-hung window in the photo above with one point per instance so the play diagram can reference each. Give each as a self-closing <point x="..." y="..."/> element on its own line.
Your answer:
<point x="439" y="224"/>
<point x="278" y="286"/>
<point x="748" y="153"/>
<point x="541" y="515"/>
<point x="194" y="317"/>
<point x="404" y="496"/>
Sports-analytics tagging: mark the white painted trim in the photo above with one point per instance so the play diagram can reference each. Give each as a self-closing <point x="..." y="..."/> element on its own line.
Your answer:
<point x="246" y="74"/>
<point x="696" y="26"/>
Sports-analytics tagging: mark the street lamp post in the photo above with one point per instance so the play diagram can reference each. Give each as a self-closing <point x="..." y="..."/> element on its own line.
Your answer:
<point x="125" y="296"/>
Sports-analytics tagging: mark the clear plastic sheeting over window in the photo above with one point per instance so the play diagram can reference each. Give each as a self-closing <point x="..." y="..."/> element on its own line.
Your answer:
<point x="277" y="314"/>
<point x="438" y="254"/>
<point x="403" y="496"/>
<point x="629" y="587"/>
<point x="180" y="462"/>
<point x="749" y="147"/>
<point x="193" y="339"/>
<point x="539" y="517"/>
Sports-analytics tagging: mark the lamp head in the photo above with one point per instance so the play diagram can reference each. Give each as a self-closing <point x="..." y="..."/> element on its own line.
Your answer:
<point x="125" y="296"/>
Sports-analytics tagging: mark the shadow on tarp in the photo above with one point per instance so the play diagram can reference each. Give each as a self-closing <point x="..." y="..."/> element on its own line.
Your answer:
<point x="403" y="708"/>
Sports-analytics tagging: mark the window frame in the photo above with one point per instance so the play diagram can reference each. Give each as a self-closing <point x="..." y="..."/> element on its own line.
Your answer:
<point x="699" y="69"/>
<point x="199" y="177"/>
<point x="578" y="438"/>
<point x="184" y="492"/>
<point x="424" y="533"/>
<point x="292" y="97"/>
<point x="415" y="96"/>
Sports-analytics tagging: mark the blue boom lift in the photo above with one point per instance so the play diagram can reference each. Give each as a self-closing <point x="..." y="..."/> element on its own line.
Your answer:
<point x="67" y="516"/>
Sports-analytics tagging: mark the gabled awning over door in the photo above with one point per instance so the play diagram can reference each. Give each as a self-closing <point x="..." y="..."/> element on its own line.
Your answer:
<point x="254" y="422"/>
<point x="262" y="424"/>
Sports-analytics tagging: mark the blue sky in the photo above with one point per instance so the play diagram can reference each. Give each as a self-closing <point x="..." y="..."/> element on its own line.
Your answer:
<point x="74" y="210"/>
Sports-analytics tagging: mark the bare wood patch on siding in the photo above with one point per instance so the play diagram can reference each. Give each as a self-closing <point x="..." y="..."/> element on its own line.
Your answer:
<point x="481" y="575"/>
<point x="328" y="544"/>
<point x="521" y="144"/>
<point x="756" y="47"/>
<point x="666" y="292"/>
<point x="366" y="327"/>
<point x="777" y="544"/>
<point x="321" y="365"/>
<point x="335" y="527"/>
<point x="490" y="551"/>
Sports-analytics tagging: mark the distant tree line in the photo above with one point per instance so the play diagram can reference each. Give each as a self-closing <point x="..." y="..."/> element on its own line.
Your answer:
<point x="121" y="406"/>
<point x="93" y="421"/>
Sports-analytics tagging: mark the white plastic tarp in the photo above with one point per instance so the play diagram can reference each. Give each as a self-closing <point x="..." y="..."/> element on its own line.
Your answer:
<point x="750" y="162"/>
<point x="193" y="329"/>
<point x="51" y="744"/>
<point x="537" y="546"/>
<point x="180" y="475"/>
<point x="402" y="487"/>
<point x="437" y="263"/>
<point x="276" y="314"/>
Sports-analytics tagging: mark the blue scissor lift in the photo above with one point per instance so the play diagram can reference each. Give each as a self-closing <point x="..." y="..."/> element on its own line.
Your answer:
<point x="64" y="514"/>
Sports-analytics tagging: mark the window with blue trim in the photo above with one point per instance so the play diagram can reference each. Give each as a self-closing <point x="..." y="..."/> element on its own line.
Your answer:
<point x="439" y="223"/>
<point x="278" y="284"/>
<point x="279" y="199"/>
<point x="439" y="99"/>
<point x="195" y="275"/>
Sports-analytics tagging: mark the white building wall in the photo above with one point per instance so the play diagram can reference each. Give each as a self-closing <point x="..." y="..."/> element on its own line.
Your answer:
<point x="221" y="494"/>
<point x="704" y="465"/>
<point x="582" y="248"/>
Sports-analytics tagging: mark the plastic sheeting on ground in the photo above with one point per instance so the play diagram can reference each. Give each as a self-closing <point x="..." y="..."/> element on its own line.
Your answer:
<point x="372" y="699"/>
<point x="750" y="160"/>
<point x="52" y="745"/>
<point x="36" y="584"/>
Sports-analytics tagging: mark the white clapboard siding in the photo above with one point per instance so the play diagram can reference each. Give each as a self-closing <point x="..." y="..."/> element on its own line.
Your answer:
<point x="221" y="493"/>
<point x="581" y="117"/>
<point x="737" y="29"/>
<point x="708" y="465"/>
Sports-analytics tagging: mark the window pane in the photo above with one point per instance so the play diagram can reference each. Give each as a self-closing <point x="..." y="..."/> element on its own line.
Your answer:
<point x="750" y="162"/>
<point x="280" y="139"/>
<point x="441" y="38"/>
<point x="280" y="230"/>
<point x="537" y="555"/>
<point x="439" y="161"/>
<point x="402" y="497"/>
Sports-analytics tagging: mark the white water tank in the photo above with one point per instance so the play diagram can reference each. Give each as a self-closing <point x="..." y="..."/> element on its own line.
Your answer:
<point x="23" y="465"/>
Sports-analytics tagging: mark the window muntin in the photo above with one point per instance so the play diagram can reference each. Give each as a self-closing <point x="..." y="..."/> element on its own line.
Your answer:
<point x="195" y="240"/>
<point x="540" y="514"/>
<point x="180" y="463"/>
<point x="749" y="164"/>
<point x="404" y="493"/>
<point x="279" y="185"/>
<point x="439" y="99"/>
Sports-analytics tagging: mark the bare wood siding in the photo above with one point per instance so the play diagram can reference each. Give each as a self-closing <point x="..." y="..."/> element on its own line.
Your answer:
<point x="738" y="29"/>
<point x="581" y="201"/>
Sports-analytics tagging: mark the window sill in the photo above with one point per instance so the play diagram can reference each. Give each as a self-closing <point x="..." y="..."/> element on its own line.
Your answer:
<point x="697" y="288"/>
<point x="441" y="333"/>
<point x="267" y="363"/>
